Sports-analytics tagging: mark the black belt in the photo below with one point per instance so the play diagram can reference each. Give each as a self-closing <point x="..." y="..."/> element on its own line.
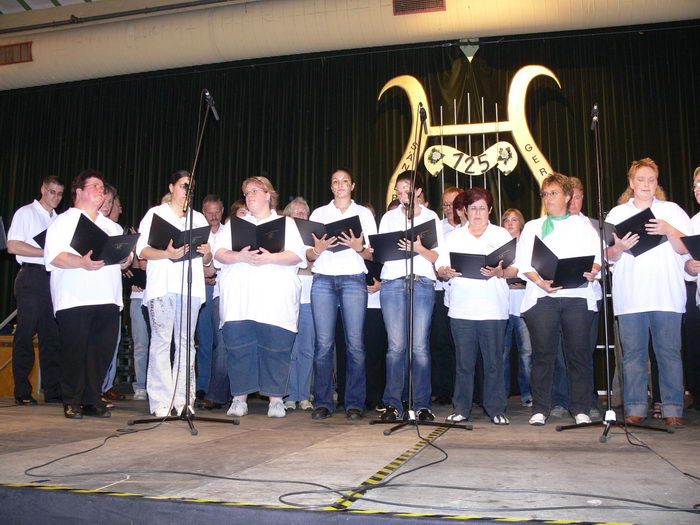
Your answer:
<point x="33" y="265"/>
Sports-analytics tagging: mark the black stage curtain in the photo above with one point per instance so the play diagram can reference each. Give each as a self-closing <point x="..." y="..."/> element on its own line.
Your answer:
<point x="294" y="119"/>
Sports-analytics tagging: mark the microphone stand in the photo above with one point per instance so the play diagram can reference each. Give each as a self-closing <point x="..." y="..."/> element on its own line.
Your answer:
<point x="411" y="285"/>
<point x="610" y="419"/>
<point x="187" y="413"/>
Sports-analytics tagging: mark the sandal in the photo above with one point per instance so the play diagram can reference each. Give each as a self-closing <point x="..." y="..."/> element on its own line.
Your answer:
<point x="656" y="412"/>
<point x="500" y="419"/>
<point x="107" y="403"/>
<point x="114" y="395"/>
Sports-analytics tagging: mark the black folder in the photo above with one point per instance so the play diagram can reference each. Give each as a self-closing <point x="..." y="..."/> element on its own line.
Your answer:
<point x="608" y="230"/>
<point x="469" y="264"/>
<point x="374" y="271"/>
<point x="635" y="224"/>
<point x="162" y="232"/>
<point x="692" y="242"/>
<point x="332" y="229"/>
<point x="111" y="249"/>
<point x="385" y="244"/>
<point x="138" y="279"/>
<point x="40" y="239"/>
<point x="3" y="236"/>
<point x="269" y="235"/>
<point x="567" y="273"/>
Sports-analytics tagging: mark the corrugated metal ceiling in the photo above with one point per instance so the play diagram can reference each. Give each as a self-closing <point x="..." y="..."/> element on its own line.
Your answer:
<point x="19" y="6"/>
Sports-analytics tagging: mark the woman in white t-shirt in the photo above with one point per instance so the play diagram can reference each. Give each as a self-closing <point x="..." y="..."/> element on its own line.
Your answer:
<point x="478" y="308"/>
<point x="691" y="323"/>
<point x="649" y="295"/>
<point x="553" y="312"/>
<point x="166" y="298"/>
<point x="259" y="304"/>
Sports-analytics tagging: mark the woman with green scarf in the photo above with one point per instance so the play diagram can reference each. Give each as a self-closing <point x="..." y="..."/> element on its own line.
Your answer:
<point x="549" y="311"/>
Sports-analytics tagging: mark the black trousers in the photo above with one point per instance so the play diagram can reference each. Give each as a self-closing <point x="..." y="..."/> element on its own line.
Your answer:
<point x="88" y="337"/>
<point x="691" y="331"/>
<point x="545" y="321"/>
<point x="35" y="314"/>
<point x="375" y="356"/>
<point x="442" y="350"/>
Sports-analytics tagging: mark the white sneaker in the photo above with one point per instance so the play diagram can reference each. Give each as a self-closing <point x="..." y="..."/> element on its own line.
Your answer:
<point x="276" y="409"/>
<point x="537" y="419"/>
<point x="290" y="405"/>
<point x="306" y="405"/>
<point x="581" y="419"/>
<point x="455" y="418"/>
<point x="162" y="412"/>
<point x="238" y="408"/>
<point x="140" y="394"/>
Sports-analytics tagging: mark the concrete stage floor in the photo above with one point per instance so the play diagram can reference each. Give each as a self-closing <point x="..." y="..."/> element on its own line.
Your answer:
<point x="342" y="454"/>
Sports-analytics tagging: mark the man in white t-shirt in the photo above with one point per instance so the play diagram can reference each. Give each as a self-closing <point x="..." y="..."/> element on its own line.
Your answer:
<point x="33" y="295"/>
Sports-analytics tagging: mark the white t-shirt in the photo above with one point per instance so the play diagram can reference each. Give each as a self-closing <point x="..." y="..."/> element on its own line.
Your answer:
<point x="27" y="223"/>
<point x="572" y="237"/>
<point x="476" y="299"/>
<point x="695" y="227"/>
<point x="344" y="262"/>
<point x="268" y="294"/>
<point x="164" y="276"/>
<point x="446" y="229"/>
<point x="75" y="286"/>
<point x="306" y="282"/>
<point x="653" y="281"/>
<point x="395" y="220"/>
<point x="212" y="239"/>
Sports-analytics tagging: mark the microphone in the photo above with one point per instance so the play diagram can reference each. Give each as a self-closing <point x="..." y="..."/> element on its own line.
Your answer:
<point x="210" y="103"/>
<point x="594" y="116"/>
<point x="423" y="117"/>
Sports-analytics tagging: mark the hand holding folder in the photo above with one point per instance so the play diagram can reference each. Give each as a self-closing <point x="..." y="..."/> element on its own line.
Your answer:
<point x="269" y="235"/>
<point x="564" y="273"/>
<point x="640" y="224"/>
<point x="470" y="265"/>
<point x="392" y="246"/>
<point x="339" y="231"/>
<point x="164" y="235"/>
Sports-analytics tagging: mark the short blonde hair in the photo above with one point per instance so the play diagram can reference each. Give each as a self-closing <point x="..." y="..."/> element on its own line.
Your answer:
<point x="646" y="162"/>
<point x="265" y="184"/>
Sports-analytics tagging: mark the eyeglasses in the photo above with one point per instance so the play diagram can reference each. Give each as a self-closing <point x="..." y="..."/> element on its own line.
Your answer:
<point x="254" y="191"/>
<point x="97" y="186"/>
<point x="696" y="185"/>
<point x="552" y="193"/>
<point x="477" y="208"/>
<point x="55" y="193"/>
<point x="447" y="205"/>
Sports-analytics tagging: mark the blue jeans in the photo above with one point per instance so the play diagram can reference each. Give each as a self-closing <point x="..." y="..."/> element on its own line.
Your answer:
<point x="516" y="325"/>
<point x="394" y="301"/>
<point x="471" y="339"/>
<point x="139" y="336"/>
<point x="219" y="385"/>
<point x="302" y="356"/>
<point x="206" y="333"/>
<point x="349" y="292"/>
<point x="258" y="357"/>
<point x="665" y="328"/>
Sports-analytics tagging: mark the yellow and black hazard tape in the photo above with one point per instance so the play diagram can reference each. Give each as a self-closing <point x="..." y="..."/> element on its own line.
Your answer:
<point x="379" y="476"/>
<point x="261" y="506"/>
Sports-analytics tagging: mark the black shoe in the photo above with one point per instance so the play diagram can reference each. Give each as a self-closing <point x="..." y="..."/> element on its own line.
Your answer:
<point x="25" y="400"/>
<point x="72" y="412"/>
<point x="199" y="403"/>
<point x="390" y="414"/>
<point x="425" y="414"/>
<point x="210" y="405"/>
<point x="321" y="413"/>
<point x="96" y="411"/>
<point x="199" y="394"/>
<point x="442" y="400"/>
<point x="354" y="414"/>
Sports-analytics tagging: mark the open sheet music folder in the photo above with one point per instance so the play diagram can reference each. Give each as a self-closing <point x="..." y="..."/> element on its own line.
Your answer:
<point x="269" y="235"/>
<point x="162" y="232"/>
<point x="567" y="272"/>
<point x="111" y="249"/>
<point x="332" y="229"/>
<point x="469" y="264"/>
<point x="385" y="244"/>
<point x="635" y="224"/>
